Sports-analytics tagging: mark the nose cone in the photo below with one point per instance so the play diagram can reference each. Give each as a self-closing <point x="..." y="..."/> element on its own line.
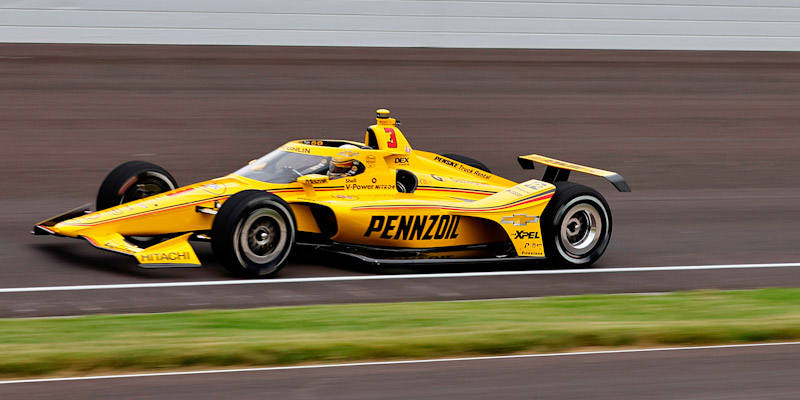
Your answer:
<point x="70" y="227"/>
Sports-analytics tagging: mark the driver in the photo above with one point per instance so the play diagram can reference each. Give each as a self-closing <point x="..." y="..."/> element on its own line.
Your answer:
<point x="343" y="165"/>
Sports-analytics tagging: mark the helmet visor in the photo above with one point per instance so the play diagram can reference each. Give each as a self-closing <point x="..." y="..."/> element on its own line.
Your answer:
<point x="339" y="169"/>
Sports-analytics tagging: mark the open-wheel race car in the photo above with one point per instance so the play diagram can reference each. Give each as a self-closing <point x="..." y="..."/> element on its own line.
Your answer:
<point x="379" y="201"/>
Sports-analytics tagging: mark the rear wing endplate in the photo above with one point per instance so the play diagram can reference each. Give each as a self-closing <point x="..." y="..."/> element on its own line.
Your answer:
<point x="558" y="170"/>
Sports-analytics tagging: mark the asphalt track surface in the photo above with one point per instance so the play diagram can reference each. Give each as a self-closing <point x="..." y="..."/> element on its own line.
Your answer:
<point x="707" y="141"/>
<point x="768" y="372"/>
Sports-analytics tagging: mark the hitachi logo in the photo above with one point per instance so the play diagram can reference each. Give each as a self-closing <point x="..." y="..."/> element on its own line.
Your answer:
<point x="171" y="256"/>
<point x="414" y="227"/>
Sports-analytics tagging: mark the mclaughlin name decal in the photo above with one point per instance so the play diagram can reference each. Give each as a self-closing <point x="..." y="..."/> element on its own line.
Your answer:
<point x="414" y="227"/>
<point x="296" y="149"/>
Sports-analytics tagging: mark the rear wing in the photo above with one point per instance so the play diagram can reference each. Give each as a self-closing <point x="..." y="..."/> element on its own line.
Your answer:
<point x="558" y="170"/>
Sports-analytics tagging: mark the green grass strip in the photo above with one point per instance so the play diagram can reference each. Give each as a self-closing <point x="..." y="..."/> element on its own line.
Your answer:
<point x="339" y="333"/>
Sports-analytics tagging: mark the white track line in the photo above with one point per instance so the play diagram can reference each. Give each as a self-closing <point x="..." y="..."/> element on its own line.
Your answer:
<point x="388" y="277"/>
<point x="377" y="363"/>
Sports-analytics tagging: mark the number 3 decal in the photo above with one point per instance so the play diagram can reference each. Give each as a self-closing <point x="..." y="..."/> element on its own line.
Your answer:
<point x="392" y="138"/>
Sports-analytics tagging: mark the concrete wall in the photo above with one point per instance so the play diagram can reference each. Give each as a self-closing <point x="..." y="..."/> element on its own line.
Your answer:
<point x="573" y="24"/>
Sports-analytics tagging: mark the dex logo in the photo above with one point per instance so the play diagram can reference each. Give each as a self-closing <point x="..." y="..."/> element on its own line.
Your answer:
<point x="526" y="235"/>
<point x="520" y="219"/>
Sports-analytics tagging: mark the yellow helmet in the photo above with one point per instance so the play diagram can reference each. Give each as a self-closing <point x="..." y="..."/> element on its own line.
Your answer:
<point x="343" y="163"/>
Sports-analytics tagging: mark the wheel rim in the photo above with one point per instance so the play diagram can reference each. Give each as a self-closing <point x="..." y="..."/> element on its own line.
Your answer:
<point x="152" y="184"/>
<point x="262" y="236"/>
<point x="580" y="229"/>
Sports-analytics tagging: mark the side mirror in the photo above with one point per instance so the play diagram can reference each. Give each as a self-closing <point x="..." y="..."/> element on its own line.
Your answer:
<point x="313" y="179"/>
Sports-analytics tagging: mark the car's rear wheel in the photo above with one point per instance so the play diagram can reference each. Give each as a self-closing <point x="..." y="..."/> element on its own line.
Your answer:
<point x="467" y="161"/>
<point x="253" y="234"/>
<point x="576" y="225"/>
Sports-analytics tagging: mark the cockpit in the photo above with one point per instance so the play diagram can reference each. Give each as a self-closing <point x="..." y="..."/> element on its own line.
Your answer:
<point x="280" y="166"/>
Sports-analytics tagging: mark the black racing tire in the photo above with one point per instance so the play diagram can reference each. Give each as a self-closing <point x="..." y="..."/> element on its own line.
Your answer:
<point x="253" y="234"/>
<point x="133" y="180"/>
<point x="467" y="161"/>
<point x="576" y="225"/>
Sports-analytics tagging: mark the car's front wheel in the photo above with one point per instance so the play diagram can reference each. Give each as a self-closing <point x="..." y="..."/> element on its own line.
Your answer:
<point x="576" y="225"/>
<point x="131" y="181"/>
<point x="253" y="234"/>
<point x="134" y="180"/>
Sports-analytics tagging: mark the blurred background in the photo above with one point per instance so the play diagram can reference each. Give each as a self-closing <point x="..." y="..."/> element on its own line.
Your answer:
<point x="695" y="103"/>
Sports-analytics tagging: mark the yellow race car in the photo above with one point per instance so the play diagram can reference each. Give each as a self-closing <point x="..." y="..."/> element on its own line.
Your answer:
<point x="379" y="201"/>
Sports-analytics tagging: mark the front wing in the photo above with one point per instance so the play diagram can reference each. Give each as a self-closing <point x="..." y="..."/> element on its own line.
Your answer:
<point x="173" y="252"/>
